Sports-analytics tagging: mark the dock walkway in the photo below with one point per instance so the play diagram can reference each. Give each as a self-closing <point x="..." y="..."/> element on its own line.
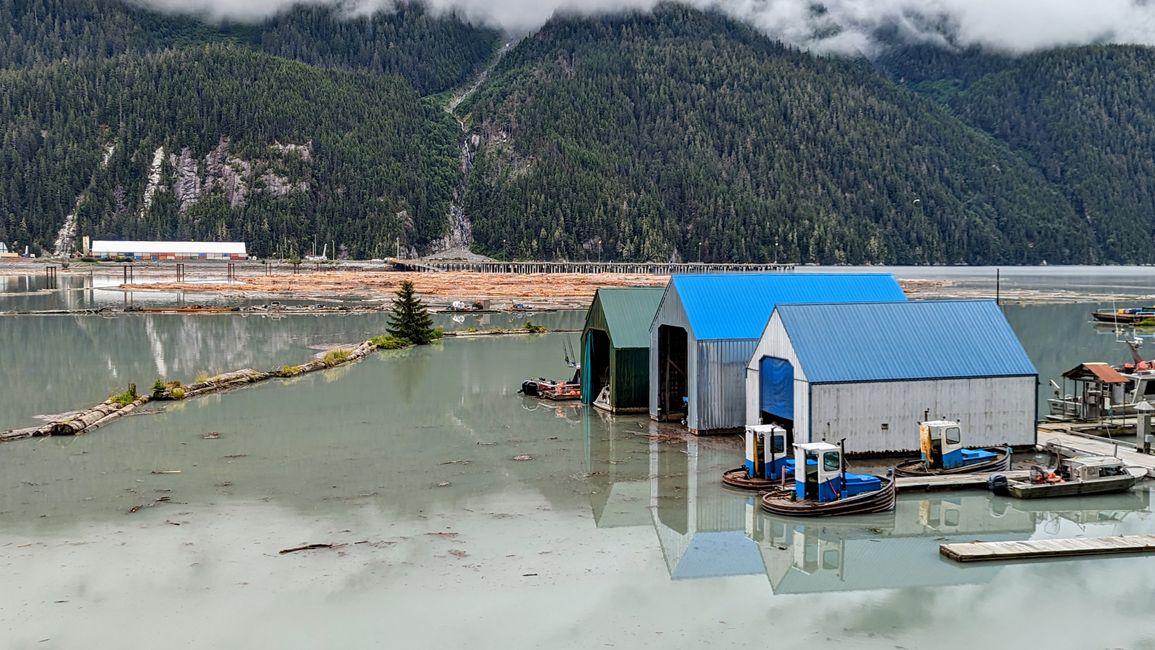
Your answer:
<point x="1047" y="548"/>
<point x="1101" y="447"/>
<point x="977" y="480"/>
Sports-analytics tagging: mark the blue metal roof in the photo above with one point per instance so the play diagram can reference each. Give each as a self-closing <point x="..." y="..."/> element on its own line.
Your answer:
<point x="904" y="341"/>
<point x="737" y="306"/>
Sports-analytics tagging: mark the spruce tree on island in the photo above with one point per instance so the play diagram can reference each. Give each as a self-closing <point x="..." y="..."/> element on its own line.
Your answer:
<point x="410" y="319"/>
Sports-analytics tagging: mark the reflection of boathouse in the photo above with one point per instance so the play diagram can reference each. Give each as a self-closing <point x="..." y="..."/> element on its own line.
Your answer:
<point x="871" y="372"/>
<point x="707" y="326"/>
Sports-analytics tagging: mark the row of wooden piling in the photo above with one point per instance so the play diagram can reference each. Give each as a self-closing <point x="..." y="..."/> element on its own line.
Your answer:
<point x="110" y="409"/>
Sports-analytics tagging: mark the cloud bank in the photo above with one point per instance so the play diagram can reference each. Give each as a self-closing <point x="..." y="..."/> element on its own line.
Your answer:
<point x="846" y="26"/>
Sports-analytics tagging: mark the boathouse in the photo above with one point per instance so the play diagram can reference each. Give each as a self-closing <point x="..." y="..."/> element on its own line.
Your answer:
<point x="707" y="326"/>
<point x="871" y="372"/>
<point x="157" y="251"/>
<point x="616" y="348"/>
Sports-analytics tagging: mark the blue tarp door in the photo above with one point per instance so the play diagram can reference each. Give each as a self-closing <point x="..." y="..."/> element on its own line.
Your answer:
<point x="777" y="377"/>
<point x="587" y="370"/>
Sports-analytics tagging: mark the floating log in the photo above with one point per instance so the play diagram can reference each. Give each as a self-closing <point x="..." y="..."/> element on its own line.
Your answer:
<point x="109" y="410"/>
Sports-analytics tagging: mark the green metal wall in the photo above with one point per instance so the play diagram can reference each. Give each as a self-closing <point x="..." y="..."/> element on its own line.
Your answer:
<point x="630" y="378"/>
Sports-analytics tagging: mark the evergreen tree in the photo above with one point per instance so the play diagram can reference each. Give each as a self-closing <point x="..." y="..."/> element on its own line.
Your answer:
<point x="410" y="319"/>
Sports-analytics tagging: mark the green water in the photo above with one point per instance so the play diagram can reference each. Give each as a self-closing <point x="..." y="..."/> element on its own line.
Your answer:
<point x="606" y="536"/>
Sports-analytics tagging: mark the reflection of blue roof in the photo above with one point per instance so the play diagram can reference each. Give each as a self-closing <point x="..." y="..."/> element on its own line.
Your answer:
<point x="711" y="555"/>
<point x="904" y="341"/>
<point x="736" y="306"/>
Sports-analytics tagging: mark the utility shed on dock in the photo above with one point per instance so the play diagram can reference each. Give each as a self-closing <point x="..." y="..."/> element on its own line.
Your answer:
<point x="871" y="372"/>
<point x="707" y="326"/>
<point x="616" y="348"/>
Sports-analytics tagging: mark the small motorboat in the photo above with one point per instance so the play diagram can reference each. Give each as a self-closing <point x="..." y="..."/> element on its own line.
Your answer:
<point x="943" y="453"/>
<point x="768" y="463"/>
<point x="553" y="389"/>
<point x="1072" y="476"/>
<point x="824" y="488"/>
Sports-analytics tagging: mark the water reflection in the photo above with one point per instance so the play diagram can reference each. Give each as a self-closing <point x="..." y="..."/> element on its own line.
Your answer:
<point x="708" y="531"/>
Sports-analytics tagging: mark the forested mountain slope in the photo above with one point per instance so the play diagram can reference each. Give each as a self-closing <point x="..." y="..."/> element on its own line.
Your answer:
<point x="220" y="142"/>
<point x="1085" y="117"/>
<point x="684" y="133"/>
<point x="433" y="53"/>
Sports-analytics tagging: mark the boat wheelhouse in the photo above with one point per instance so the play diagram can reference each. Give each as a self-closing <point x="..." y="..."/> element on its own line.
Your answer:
<point x="943" y="452"/>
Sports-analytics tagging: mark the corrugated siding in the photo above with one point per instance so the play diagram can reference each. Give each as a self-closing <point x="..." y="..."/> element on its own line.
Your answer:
<point x="627" y="314"/>
<point x="901" y="341"/>
<point x="737" y="306"/>
<point x="630" y="379"/>
<point x="720" y="389"/>
<point x="992" y="410"/>
<point x="129" y="248"/>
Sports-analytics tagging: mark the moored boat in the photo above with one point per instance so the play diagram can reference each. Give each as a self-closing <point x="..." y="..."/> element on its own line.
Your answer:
<point x="768" y="463"/>
<point x="553" y="389"/>
<point x="943" y="453"/>
<point x="1140" y="316"/>
<point x="824" y="488"/>
<point x="1073" y="476"/>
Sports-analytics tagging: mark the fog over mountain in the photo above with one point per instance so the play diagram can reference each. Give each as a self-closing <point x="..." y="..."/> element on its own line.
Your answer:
<point x="843" y="26"/>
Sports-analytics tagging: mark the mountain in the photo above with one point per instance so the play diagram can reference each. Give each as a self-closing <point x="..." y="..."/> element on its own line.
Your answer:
<point x="221" y="142"/>
<point x="1085" y="118"/>
<point x="679" y="133"/>
<point x="673" y="134"/>
<point x="433" y="53"/>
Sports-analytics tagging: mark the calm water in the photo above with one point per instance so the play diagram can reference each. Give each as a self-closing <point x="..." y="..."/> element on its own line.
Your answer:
<point x="606" y="537"/>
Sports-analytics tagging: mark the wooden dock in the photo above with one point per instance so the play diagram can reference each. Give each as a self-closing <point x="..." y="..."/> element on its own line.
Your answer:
<point x="1047" y="548"/>
<point x="975" y="481"/>
<point x="633" y="268"/>
<point x="1100" y="447"/>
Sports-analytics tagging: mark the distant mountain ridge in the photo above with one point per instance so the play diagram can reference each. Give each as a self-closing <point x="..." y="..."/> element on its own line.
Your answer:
<point x="673" y="134"/>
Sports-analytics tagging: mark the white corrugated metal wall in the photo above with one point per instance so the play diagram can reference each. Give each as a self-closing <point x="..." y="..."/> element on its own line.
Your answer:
<point x="993" y="411"/>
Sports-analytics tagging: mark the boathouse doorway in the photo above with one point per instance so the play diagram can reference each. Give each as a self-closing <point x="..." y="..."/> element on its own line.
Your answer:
<point x="596" y="365"/>
<point x="672" y="372"/>
<point x="776" y="394"/>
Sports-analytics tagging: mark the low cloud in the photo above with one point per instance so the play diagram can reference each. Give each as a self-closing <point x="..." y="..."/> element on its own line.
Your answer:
<point x="846" y="26"/>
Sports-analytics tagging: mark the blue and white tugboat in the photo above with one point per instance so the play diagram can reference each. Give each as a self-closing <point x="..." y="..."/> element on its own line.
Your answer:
<point x="768" y="460"/>
<point x="943" y="453"/>
<point x="823" y="487"/>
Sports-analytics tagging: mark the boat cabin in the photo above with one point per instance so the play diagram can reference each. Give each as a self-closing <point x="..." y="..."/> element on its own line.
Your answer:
<point x="823" y="478"/>
<point x="1083" y="468"/>
<point x="767" y="455"/>
<point x="942" y="446"/>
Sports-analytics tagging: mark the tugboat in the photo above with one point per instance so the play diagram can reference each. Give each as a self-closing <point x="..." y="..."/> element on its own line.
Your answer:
<point x="768" y="464"/>
<point x="1138" y="316"/>
<point x="1073" y="476"/>
<point x="824" y="488"/>
<point x="943" y="453"/>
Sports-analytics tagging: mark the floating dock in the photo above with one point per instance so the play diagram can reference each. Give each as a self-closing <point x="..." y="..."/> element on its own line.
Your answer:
<point x="973" y="481"/>
<point x="1047" y="548"/>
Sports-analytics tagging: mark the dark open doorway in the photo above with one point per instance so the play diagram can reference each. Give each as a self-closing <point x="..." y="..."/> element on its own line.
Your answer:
<point x="597" y="363"/>
<point x="672" y="369"/>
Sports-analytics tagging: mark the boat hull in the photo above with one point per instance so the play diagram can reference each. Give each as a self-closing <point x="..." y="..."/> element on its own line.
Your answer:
<point x="1001" y="463"/>
<point x="1021" y="490"/>
<point x="881" y="500"/>
<point x="738" y="478"/>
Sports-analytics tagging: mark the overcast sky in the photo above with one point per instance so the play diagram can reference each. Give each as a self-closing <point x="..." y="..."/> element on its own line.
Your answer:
<point x="846" y="26"/>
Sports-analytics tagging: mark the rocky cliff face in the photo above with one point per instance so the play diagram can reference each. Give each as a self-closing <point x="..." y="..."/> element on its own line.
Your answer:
<point x="191" y="179"/>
